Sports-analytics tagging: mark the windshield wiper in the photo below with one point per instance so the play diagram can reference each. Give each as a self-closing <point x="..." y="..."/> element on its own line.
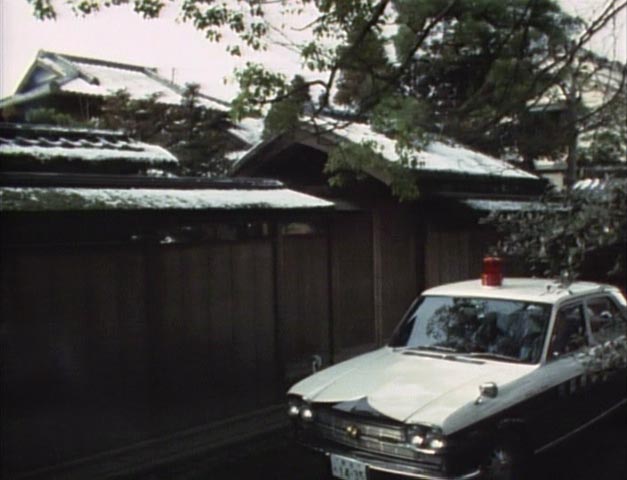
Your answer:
<point x="434" y="348"/>
<point x="436" y="351"/>
<point x="493" y="356"/>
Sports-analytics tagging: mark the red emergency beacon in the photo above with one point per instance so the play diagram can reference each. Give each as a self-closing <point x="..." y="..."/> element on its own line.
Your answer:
<point x="492" y="275"/>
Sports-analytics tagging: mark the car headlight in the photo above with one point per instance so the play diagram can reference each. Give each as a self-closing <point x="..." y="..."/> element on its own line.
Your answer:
<point x="436" y="443"/>
<point x="417" y="440"/>
<point x="416" y="435"/>
<point x="307" y="414"/>
<point x="422" y="437"/>
<point x="294" y="405"/>
<point x="299" y="409"/>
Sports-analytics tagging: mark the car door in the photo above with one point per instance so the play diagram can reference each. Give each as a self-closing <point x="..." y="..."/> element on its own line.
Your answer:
<point x="606" y="365"/>
<point x="565" y="405"/>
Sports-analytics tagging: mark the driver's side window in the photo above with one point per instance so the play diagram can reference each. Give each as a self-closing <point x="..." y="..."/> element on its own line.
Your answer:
<point x="569" y="331"/>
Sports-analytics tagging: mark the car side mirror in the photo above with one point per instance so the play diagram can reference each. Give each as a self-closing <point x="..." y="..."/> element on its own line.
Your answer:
<point x="316" y="363"/>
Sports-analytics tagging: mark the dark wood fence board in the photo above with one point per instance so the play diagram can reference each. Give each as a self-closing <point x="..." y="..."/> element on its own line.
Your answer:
<point x="353" y="285"/>
<point x="303" y="301"/>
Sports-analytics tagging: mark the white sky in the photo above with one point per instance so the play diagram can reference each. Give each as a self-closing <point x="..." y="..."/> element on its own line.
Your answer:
<point x="118" y="34"/>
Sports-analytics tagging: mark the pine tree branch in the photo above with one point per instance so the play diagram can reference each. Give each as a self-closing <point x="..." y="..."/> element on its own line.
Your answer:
<point x="369" y="25"/>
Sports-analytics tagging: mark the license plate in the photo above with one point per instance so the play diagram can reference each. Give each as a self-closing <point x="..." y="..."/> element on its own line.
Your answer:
<point x="348" y="469"/>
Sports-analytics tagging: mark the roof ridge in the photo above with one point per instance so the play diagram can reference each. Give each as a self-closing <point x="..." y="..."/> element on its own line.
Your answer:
<point x="153" y="73"/>
<point x="70" y="70"/>
<point x="180" y="89"/>
<point x="99" y="61"/>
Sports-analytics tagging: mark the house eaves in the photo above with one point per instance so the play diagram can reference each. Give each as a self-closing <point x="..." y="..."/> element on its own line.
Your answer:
<point x="39" y="92"/>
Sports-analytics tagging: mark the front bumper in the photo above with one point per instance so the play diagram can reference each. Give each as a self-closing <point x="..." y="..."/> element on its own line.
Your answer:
<point x="391" y="466"/>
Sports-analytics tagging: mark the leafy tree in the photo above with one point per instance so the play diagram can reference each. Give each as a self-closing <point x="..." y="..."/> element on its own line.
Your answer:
<point x="473" y="64"/>
<point x="193" y="133"/>
<point x="578" y="118"/>
<point x="487" y="63"/>
<point x="571" y="230"/>
<point x="285" y="114"/>
<point x="363" y="68"/>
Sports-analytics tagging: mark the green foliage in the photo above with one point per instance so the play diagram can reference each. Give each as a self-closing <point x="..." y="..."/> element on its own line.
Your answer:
<point x="363" y="66"/>
<point x="467" y="69"/>
<point x="401" y="119"/>
<point x="352" y="161"/>
<point x="194" y="134"/>
<point x="43" y="9"/>
<point x="608" y="147"/>
<point x="256" y="84"/>
<point x="284" y="115"/>
<point x="482" y="62"/>
<point x="569" y="231"/>
<point x="50" y="116"/>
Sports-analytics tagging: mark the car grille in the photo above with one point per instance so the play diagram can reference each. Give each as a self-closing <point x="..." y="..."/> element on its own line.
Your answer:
<point x="384" y="439"/>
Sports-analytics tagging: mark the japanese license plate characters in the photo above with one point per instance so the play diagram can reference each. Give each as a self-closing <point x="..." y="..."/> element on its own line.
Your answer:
<point x="348" y="469"/>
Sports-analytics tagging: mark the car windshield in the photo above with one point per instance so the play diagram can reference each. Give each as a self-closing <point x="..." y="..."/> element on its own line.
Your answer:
<point x="499" y="329"/>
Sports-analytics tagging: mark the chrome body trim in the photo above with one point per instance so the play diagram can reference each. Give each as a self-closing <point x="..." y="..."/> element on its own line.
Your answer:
<point x="589" y="423"/>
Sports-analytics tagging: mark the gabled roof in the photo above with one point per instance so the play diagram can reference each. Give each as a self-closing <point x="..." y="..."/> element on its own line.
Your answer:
<point x="438" y="157"/>
<point x="72" y="75"/>
<point x="42" y="147"/>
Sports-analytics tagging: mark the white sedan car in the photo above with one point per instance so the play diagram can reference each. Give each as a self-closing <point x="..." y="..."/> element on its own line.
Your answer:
<point x="474" y="380"/>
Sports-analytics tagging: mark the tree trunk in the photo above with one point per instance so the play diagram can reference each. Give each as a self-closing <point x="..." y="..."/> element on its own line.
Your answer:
<point x="572" y="136"/>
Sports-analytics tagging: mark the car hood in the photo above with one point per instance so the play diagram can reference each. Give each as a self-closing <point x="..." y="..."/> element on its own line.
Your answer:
<point x="418" y="388"/>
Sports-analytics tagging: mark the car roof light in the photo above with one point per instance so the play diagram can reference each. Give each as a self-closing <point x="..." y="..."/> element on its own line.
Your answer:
<point x="492" y="275"/>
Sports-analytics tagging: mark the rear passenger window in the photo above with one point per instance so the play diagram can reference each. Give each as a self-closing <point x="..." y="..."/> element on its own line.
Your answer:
<point x="569" y="331"/>
<point x="607" y="321"/>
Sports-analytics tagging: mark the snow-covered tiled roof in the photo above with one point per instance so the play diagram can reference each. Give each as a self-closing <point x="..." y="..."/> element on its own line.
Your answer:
<point x="89" y="76"/>
<point x="52" y="143"/>
<point x="111" y="79"/>
<point x="73" y="199"/>
<point x="86" y="150"/>
<point x="249" y="129"/>
<point x="437" y="156"/>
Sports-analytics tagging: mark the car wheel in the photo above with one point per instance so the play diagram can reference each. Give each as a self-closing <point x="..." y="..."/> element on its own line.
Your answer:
<point x="505" y="460"/>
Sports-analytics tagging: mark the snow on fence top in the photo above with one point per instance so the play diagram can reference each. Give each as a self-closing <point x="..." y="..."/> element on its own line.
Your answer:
<point x="508" y="205"/>
<point x="80" y="199"/>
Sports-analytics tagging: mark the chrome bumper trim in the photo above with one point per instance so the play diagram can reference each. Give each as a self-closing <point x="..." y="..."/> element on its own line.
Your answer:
<point x="395" y="468"/>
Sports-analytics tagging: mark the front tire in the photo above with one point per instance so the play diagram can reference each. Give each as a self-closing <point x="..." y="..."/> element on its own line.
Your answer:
<point x="505" y="460"/>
